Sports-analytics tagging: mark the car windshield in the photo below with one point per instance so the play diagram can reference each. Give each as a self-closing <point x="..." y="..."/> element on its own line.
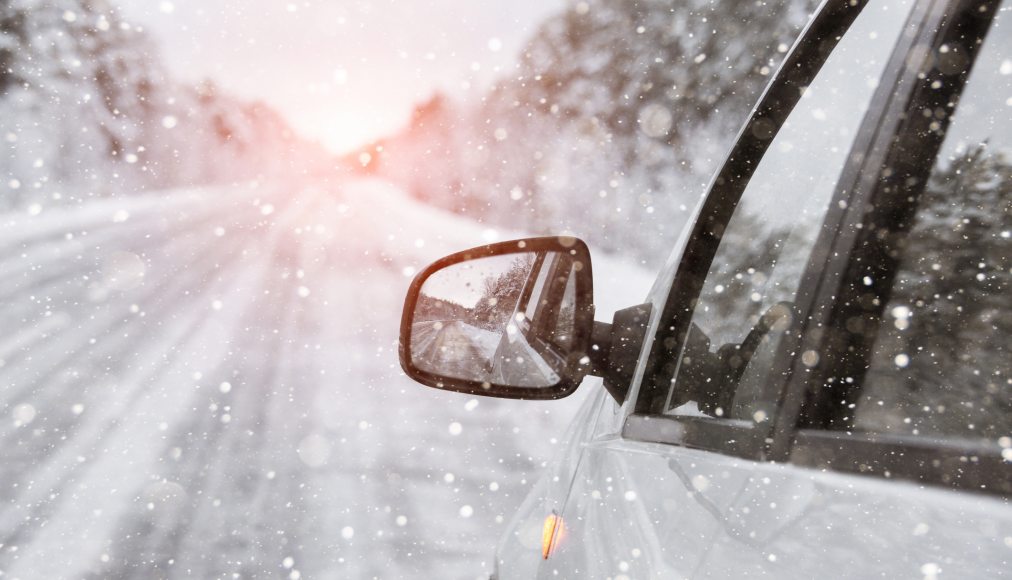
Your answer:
<point x="211" y="212"/>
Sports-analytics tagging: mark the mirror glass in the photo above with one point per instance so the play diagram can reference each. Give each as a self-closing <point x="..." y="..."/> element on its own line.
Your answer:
<point x="505" y="320"/>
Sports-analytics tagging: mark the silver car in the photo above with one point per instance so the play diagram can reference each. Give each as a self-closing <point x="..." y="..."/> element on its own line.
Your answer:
<point x="819" y="384"/>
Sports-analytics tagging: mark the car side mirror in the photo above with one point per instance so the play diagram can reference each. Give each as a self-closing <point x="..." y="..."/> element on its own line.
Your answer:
<point x="511" y="320"/>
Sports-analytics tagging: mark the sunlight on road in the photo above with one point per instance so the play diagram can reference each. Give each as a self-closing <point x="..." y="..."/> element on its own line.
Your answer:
<point x="207" y="380"/>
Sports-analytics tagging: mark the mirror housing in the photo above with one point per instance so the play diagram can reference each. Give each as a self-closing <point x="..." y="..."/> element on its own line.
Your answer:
<point x="475" y="321"/>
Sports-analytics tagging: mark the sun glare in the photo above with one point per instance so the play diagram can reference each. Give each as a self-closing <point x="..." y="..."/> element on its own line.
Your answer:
<point x="348" y="129"/>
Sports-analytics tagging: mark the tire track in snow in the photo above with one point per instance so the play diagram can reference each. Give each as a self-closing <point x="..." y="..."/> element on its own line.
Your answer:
<point x="145" y="230"/>
<point x="305" y="372"/>
<point x="250" y="475"/>
<point x="222" y="460"/>
<point x="48" y="363"/>
<point x="108" y="427"/>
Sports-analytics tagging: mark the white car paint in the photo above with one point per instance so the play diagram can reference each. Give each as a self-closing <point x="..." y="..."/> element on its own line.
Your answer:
<point x="645" y="510"/>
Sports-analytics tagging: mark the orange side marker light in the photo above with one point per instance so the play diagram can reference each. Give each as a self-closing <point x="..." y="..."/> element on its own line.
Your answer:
<point x="551" y="534"/>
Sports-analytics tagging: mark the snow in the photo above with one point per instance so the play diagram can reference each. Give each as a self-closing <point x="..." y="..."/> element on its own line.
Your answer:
<point x="209" y="387"/>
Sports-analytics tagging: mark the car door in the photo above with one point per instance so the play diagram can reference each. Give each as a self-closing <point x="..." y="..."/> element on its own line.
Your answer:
<point x="900" y="463"/>
<point x="655" y="499"/>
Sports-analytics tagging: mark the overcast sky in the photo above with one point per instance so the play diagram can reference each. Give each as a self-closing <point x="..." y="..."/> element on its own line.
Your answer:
<point x="343" y="72"/>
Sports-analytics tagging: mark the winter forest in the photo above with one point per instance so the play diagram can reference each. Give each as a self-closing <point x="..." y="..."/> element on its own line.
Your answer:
<point x="198" y="350"/>
<point x="630" y="105"/>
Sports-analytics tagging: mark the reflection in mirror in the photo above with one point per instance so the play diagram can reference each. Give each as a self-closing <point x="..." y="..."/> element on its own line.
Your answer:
<point x="505" y="320"/>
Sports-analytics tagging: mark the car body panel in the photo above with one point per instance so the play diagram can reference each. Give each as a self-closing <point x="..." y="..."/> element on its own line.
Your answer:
<point x="518" y="554"/>
<point x="643" y="510"/>
<point x="805" y="523"/>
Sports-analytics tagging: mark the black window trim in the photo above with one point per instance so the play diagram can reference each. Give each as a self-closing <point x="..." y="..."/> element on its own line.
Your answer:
<point x="545" y="318"/>
<point x="827" y="26"/>
<point x="945" y="463"/>
<point x="830" y="258"/>
<point x="948" y="463"/>
<point x="951" y="463"/>
<point x="525" y="296"/>
<point x="801" y="437"/>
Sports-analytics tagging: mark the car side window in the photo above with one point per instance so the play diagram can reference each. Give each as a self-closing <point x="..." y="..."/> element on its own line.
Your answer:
<point x="746" y="305"/>
<point x="534" y="294"/>
<point x="547" y="329"/>
<point x="940" y="364"/>
<point x="562" y="332"/>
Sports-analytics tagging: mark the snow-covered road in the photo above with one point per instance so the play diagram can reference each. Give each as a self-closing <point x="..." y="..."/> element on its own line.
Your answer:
<point x="204" y="384"/>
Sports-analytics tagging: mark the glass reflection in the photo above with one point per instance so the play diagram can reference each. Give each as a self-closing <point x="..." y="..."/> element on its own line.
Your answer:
<point x="504" y="320"/>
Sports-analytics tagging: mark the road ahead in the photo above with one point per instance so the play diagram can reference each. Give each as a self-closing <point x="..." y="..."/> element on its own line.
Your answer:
<point x="204" y="384"/>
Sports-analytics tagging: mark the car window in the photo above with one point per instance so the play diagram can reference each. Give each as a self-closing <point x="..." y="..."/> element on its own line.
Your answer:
<point x="562" y="333"/>
<point x="533" y="298"/>
<point x="940" y="364"/>
<point x="747" y="300"/>
<point x="551" y="328"/>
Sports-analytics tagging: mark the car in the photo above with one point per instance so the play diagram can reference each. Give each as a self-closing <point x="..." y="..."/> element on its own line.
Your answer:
<point x="819" y="383"/>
